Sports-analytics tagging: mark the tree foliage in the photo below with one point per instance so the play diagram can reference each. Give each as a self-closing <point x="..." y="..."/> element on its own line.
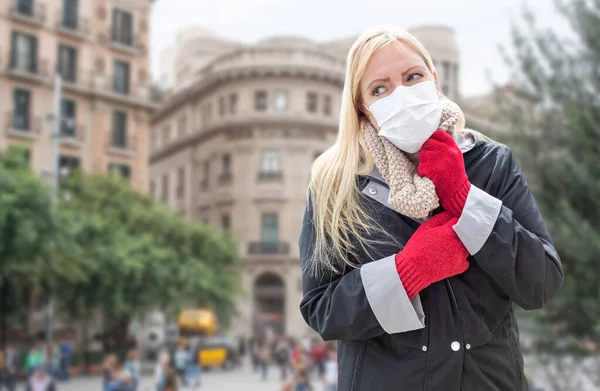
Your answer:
<point x="555" y="123"/>
<point x="103" y="247"/>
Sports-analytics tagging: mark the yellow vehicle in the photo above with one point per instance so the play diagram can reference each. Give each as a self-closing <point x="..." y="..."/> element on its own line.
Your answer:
<point x="201" y="325"/>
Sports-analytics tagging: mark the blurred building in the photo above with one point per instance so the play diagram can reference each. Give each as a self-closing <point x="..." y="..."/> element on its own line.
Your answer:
<point x="234" y="143"/>
<point x="100" y="48"/>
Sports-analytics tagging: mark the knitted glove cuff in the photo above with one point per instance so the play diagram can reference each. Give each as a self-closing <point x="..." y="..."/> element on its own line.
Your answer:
<point x="412" y="279"/>
<point x="456" y="203"/>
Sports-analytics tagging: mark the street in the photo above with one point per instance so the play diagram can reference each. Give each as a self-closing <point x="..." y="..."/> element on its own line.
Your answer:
<point x="217" y="380"/>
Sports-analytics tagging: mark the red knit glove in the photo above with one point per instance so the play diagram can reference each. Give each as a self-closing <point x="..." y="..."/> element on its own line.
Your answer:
<point x="442" y="161"/>
<point x="433" y="253"/>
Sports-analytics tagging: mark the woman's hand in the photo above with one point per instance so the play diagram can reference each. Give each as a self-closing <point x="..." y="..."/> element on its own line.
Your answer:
<point x="442" y="161"/>
<point x="433" y="253"/>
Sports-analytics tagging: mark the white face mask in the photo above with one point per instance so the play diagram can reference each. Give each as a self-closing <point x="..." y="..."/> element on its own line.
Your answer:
<point x="409" y="115"/>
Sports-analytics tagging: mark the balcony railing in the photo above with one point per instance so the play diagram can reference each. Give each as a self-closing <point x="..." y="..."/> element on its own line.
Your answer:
<point x="76" y="135"/>
<point x="127" y="146"/>
<point x="264" y="248"/>
<point x="270" y="176"/>
<point x="38" y="71"/>
<point x="31" y="12"/>
<point x="102" y="83"/>
<point x="74" y="26"/>
<point x="23" y="126"/>
<point x="225" y="178"/>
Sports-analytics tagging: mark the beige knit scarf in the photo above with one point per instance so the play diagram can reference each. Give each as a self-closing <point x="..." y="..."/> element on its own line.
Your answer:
<point x="410" y="194"/>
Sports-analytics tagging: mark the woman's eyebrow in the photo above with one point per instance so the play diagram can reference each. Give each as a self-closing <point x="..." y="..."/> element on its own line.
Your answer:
<point x="386" y="79"/>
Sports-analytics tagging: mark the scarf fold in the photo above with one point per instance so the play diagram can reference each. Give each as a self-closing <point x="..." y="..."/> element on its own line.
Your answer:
<point x="410" y="194"/>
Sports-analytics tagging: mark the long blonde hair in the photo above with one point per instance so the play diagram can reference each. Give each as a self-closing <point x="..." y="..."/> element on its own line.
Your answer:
<point x="341" y="225"/>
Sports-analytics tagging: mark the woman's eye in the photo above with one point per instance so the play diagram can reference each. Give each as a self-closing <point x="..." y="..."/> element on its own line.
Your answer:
<point x="378" y="91"/>
<point x="414" y="76"/>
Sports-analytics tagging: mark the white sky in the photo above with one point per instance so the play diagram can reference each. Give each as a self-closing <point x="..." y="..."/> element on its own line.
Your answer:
<point x="480" y="25"/>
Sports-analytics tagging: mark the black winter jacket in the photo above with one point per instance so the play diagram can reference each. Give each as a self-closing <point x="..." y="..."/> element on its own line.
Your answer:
<point x="468" y="339"/>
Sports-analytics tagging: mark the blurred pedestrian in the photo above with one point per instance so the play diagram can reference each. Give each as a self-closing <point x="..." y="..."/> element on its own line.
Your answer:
<point x="8" y="369"/>
<point x="133" y="366"/>
<point x="318" y="354"/>
<point x="66" y="354"/>
<point x="242" y="346"/>
<point x="181" y="362"/>
<point x="302" y="373"/>
<point x="265" y="359"/>
<point x="282" y="354"/>
<point x="166" y="378"/>
<point x="40" y="380"/>
<point x="255" y="354"/>
<point x="114" y="377"/>
<point x="330" y="377"/>
<point x="53" y="360"/>
<point x="34" y="359"/>
<point x="193" y="370"/>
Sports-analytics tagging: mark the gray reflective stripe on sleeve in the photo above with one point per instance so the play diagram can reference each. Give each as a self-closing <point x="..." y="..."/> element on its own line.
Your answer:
<point x="388" y="299"/>
<point x="477" y="219"/>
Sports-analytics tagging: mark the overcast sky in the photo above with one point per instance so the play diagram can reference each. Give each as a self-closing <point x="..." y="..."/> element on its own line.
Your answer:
<point x="480" y="25"/>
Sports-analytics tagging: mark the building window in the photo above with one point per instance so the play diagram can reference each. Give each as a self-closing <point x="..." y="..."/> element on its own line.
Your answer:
<point x="69" y="14"/>
<point x="154" y="140"/>
<point x="122" y="27"/>
<point x="25" y="7"/>
<point x="180" y="182"/>
<point x="225" y="222"/>
<point x="311" y="102"/>
<point x="233" y="103"/>
<point x="166" y="134"/>
<point x="122" y="170"/>
<point x="153" y="189"/>
<point x="221" y="106"/>
<point x="119" y="130"/>
<point x="225" y="169"/>
<point x="67" y="164"/>
<point x="67" y="63"/>
<point x="164" y="193"/>
<point x="68" y="117"/>
<point x="205" y="179"/>
<point x="260" y="100"/>
<point x="21" y="107"/>
<point x="24" y="52"/>
<point x="270" y="228"/>
<point x="327" y="105"/>
<point x="182" y="126"/>
<point x="281" y="101"/>
<point x="206" y="115"/>
<point x="121" y="77"/>
<point x="270" y="165"/>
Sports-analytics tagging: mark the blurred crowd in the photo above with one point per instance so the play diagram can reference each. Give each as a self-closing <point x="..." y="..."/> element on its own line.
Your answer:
<point x="38" y="367"/>
<point x="300" y="364"/>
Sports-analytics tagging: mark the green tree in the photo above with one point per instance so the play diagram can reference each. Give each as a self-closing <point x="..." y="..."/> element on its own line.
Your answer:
<point x="34" y="250"/>
<point x="555" y="123"/>
<point x="140" y="256"/>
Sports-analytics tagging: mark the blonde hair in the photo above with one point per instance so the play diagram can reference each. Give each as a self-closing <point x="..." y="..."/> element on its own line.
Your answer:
<point x="341" y="224"/>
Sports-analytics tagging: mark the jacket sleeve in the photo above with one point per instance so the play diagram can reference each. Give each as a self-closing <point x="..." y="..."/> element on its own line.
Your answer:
<point x="503" y="230"/>
<point x="359" y="304"/>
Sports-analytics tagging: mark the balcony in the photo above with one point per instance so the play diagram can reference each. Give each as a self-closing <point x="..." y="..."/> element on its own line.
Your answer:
<point x="22" y="126"/>
<point x="32" y="13"/>
<point x="268" y="248"/>
<point x="72" y="26"/>
<point x="122" y="147"/>
<point x="37" y="73"/>
<point x="132" y="45"/>
<point x="225" y="178"/>
<point x="270" y="176"/>
<point x="73" y="136"/>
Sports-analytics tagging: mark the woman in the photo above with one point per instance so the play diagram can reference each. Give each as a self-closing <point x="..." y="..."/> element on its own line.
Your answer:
<point x="419" y="235"/>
